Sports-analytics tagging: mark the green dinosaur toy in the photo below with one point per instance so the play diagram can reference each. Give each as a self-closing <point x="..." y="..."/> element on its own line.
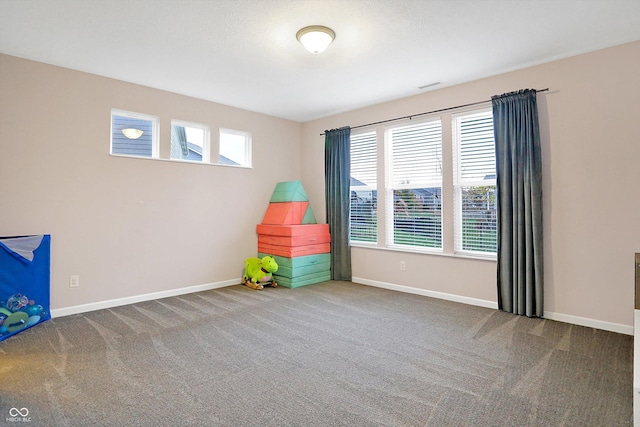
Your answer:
<point x="258" y="272"/>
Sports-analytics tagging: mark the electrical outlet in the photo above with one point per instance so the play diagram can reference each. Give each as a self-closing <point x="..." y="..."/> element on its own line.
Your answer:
<point x="403" y="266"/>
<point x="74" y="281"/>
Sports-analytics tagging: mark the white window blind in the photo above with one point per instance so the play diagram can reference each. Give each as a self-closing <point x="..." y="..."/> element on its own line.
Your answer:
<point x="475" y="183"/>
<point x="363" y="210"/>
<point x="414" y="185"/>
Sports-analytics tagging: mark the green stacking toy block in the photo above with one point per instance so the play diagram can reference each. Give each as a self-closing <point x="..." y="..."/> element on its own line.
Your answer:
<point x="304" y="270"/>
<point x="309" y="217"/>
<point x="308" y="279"/>
<point x="290" y="191"/>
<point x="300" y="261"/>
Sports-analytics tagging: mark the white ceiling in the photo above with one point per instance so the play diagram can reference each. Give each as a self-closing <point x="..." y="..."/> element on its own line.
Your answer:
<point x="244" y="53"/>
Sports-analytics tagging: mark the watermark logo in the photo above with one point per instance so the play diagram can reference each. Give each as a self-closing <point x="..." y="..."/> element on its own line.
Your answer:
<point x="18" y="415"/>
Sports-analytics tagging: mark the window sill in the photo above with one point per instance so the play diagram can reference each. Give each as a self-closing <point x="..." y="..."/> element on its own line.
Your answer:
<point x="491" y="258"/>
<point x="191" y="162"/>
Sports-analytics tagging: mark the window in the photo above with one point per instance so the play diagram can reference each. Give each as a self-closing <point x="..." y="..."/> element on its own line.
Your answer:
<point x="134" y="134"/>
<point x="235" y="148"/>
<point x="437" y="189"/>
<point x="474" y="183"/>
<point x="189" y="141"/>
<point x="137" y="135"/>
<point x="414" y="185"/>
<point x="364" y="194"/>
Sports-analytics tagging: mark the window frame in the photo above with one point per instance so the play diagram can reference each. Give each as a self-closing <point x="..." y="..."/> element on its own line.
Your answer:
<point x="390" y="187"/>
<point x="206" y="143"/>
<point x="460" y="182"/>
<point x="161" y="150"/>
<point x="447" y="197"/>
<point x="248" y="142"/>
<point x="155" y="132"/>
<point x="365" y="135"/>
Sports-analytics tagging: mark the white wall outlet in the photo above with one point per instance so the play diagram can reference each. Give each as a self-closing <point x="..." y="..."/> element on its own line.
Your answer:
<point x="403" y="266"/>
<point x="74" y="281"/>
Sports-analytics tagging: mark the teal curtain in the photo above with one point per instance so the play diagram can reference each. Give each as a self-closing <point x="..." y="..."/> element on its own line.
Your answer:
<point x="519" y="189"/>
<point x="337" y="179"/>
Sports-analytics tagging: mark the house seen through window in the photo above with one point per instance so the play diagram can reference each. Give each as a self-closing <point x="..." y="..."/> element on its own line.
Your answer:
<point x="189" y="141"/>
<point x="137" y="135"/>
<point x="134" y="134"/>
<point x="235" y="148"/>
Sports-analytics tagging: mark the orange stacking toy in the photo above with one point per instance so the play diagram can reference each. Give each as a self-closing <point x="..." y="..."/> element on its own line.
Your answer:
<point x="285" y="213"/>
<point x="289" y="232"/>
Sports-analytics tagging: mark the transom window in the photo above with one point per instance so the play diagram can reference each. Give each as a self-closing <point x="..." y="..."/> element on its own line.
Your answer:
<point x="134" y="134"/>
<point x="137" y="135"/>
<point x="189" y="141"/>
<point x="235" y="148"/>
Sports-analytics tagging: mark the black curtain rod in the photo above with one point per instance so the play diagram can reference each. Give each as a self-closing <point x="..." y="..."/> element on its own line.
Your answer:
<point x="428" y="112"/>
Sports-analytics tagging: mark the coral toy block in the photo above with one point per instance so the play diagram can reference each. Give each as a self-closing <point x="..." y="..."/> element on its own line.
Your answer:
<point x="287" y="213"/>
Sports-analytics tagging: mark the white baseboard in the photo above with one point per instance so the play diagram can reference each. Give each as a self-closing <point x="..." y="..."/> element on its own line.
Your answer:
<point x="576" y="320"/>
<point x="591" y="323"/>
<point x="77" y="309"/>
<point x="426" y="293"/>
<point x="565" y="318"/>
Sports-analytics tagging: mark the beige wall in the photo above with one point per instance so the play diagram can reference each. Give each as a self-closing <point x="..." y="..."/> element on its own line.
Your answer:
<point x="130" y="227"/>
<point x="127" y="226"/>
<point x="590" y="131"/>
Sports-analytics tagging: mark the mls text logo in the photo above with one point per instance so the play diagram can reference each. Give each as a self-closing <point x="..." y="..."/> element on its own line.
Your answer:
<point x="19" y="415"/>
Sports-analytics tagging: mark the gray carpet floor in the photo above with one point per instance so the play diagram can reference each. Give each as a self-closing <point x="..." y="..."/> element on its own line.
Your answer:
<point x="329" y="354"/>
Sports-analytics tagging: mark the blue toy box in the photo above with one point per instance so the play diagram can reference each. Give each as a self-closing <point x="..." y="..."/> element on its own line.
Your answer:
<point x="24" y="283"/>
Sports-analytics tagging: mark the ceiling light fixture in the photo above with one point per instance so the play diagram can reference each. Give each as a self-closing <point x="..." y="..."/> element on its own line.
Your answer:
<point x="132" y="133"/>
<point x="315" y="38"/>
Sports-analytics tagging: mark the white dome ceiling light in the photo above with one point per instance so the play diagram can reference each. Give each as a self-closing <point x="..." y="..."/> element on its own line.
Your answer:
<point x="315" y="38"/>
